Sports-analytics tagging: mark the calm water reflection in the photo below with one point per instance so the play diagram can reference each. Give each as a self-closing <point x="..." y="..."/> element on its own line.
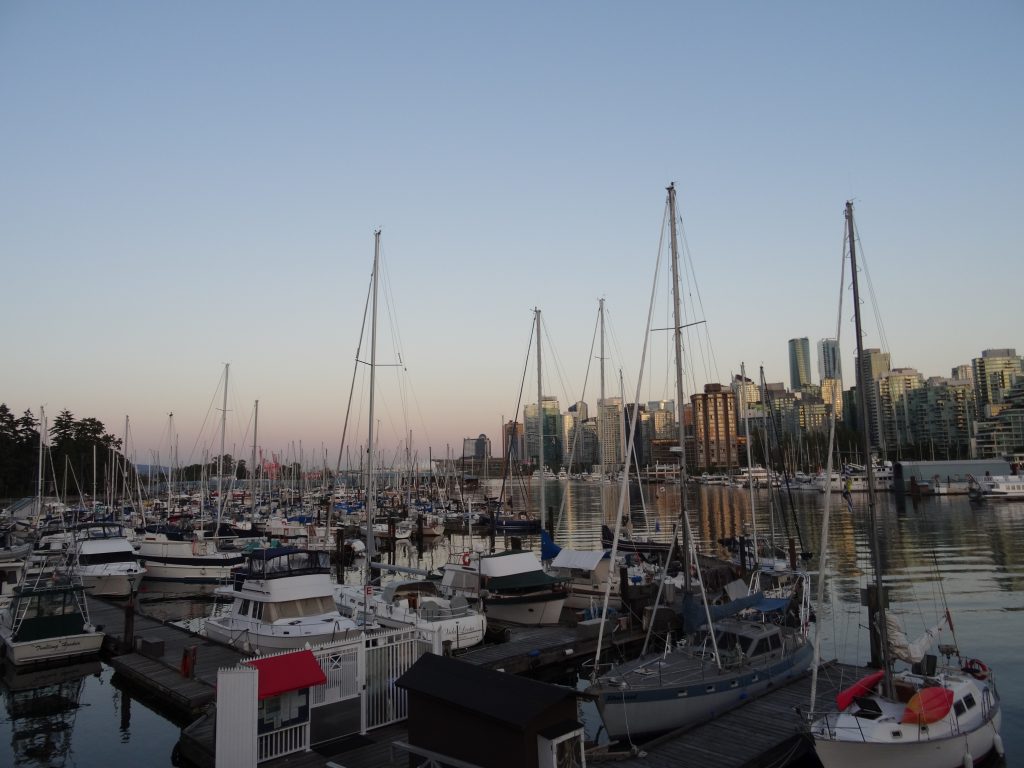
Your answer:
<point x="933" y="547"/>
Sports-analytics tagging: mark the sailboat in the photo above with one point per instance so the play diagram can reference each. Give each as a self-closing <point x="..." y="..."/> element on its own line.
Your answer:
<point x="729" y="655"/>
<point x="939" y="716"/>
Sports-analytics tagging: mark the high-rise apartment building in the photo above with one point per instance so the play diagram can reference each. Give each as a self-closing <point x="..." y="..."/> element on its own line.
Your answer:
<point x="872" y="365"/>
<point x="799" y="363"/>
<point x="829" y="365"/>
<point x="553" y="433"/>
<point x="940" y="417"/>
<point x="994" y="374"/>
<point x="893" y="407"/>
<point x="609" y="432"/>
<point x="513" y="442"/>
<point x="714" y="422"/>
<point x="476" y="447"/>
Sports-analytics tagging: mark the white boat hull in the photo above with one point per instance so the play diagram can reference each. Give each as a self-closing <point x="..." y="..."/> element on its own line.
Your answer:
<point x="53" y="648"/>
<point x="275" y="637"/>
<point x="113" y="584"/>
<point x="947" y="752"/>
<point x="528" y="612"/>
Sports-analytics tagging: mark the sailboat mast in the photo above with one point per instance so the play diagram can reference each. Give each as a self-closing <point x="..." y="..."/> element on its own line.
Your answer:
<point x="540" y="426"/>
<point x="750" y="477"/>
<point x="371" y="491"/>
<point x="220" y="459"/>
<point x="252" y="467"/>
<point x="677" y="336"/>
<point x="862" y="401"/>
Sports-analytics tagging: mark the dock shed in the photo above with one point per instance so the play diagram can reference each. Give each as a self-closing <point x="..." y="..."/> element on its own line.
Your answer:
<point x="461" y="714"/>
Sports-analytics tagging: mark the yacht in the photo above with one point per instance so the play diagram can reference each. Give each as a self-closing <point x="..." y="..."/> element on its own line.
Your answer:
<point x="997" y="487"/>
<point x="281" y="598"/>
<point x="105" y="559"/>
<point x="415" y="603"/>
<point x="512" y="586"/>
<point x="178" y="555"/>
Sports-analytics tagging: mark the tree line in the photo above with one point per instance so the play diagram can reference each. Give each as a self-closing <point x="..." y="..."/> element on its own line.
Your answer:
<point x="78" y="450"/>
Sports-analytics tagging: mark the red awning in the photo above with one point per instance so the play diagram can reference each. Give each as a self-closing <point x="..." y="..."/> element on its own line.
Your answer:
<point x="287" y="672"/>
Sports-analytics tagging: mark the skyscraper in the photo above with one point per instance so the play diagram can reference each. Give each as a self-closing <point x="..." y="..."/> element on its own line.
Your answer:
<point x="799" y="363"/>
<point x="829" y="366"/>
<point x="995" y="373"/>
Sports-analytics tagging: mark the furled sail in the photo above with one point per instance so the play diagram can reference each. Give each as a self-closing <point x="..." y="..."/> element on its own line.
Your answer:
<point x="901" y="647"/>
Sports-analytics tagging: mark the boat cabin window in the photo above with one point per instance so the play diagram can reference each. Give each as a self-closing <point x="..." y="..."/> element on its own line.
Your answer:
<point x="101" y="558"/>
<point x="243" y="609"/>
<point x="775" y="641"/>
<point x="257" y="610"/>
<point x="867" y="708"/>
<point x="969" y="701"/>
<point x="959" y="708"/>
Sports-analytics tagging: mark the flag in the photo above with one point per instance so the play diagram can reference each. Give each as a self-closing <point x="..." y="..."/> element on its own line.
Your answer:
<point x="847" y="487"/>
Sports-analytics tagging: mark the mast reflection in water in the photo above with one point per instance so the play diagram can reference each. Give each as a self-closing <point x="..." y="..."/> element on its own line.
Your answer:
<point x="74" y="716"/>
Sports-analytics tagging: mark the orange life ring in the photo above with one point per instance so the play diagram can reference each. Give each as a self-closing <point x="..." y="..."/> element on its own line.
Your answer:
<point x="466" y="558"/>
<point x="976" y="669"/>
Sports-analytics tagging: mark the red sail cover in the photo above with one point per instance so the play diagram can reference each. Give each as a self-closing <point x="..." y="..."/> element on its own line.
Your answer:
<point x="928" y="705"/>
<point x="287" y="672"/>
<point x="846" y="696"/>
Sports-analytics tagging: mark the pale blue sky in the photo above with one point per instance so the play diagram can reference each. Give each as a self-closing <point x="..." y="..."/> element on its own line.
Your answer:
<point x="187" y="184"/>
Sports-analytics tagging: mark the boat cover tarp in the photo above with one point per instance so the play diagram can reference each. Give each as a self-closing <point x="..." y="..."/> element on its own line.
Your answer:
<point x="516" y="581"/>
<point x="584" y="560"/>
<point x="928" y="705"/>
<point x="863" y="686"/>
<point x="287" y="672"/>
<point x="693" y="609"/>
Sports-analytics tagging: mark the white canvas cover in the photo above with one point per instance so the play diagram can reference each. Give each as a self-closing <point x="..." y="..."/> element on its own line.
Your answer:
<point x="583" y="560"/>
<point x="901" y="647"/>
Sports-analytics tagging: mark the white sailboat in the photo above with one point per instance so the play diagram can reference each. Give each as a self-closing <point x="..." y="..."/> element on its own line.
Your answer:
<point x="939" y="715"/>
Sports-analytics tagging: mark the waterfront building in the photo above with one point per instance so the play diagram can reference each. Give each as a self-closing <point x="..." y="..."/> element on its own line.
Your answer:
<point x="994" y="374"/>
<point x="714" y="422"/>
<point x="872" y="364"/>
<point x="476" y="447"/>
<point x="963" y="372"/>
<point x="893" y="411"/>
<point x="580" y="438"/>
<point x="799" y="363"/>
<point x="1002" y="435"/>
<point x="809" y="414"/>
<point x="609" y="432"/>
<point x="940" y="415"/>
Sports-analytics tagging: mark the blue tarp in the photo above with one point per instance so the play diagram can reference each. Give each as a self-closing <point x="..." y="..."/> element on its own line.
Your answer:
<point x="548" y="548"/>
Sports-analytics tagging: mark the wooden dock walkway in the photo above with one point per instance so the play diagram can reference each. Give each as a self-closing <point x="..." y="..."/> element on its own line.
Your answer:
<point x="154" y="658"/>
<point x="767" y="731"/>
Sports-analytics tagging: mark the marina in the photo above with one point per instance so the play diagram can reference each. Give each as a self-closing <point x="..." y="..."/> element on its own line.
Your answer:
<point x="984" y="577"/>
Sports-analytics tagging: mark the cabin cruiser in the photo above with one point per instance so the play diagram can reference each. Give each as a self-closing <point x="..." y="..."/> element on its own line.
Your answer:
<point x="105" y="559"/>
<point x="281" y="598"/>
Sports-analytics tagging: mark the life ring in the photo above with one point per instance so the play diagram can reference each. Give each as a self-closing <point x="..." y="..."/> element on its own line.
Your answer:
<point x="466" y="558"/>
<point x="976" y="669"/>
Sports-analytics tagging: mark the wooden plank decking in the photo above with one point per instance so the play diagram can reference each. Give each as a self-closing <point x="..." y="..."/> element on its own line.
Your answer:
<point x="765" y="731"/>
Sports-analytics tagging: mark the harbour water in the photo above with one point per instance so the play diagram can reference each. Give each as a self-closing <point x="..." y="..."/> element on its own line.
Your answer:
<point x="936" y="549"/>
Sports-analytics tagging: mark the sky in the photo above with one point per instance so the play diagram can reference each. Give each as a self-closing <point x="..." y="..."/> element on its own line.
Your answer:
<point x="184" y="185"/>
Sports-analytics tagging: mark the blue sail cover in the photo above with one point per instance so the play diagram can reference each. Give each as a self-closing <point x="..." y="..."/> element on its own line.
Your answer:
<point x="548" y="548"/>
<point x="694" y="616"/>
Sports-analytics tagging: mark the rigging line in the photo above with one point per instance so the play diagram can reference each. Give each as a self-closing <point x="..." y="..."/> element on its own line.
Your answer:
<point x="577" y="429"/>
<point x="871" y="291"/>
<point x="209" y="410"/>
<point x="691" y="269"/>
<point x="355" y="370"/>
<point x="553" y="352"/>
<point x="515" y="416"/>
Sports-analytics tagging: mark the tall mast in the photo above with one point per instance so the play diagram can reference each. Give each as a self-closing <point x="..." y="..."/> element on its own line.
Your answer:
<point x="371" y="490"/>
<point x="540" y="424"/>
<point x="39" y="481"/>
<point x="252" y="467"/>
<point x="678" y="343"/>
<point x="862" y="398"/>
<point x="600" y="314"/>
<point x="220" y="459"/>
<point x="750" y="477"/>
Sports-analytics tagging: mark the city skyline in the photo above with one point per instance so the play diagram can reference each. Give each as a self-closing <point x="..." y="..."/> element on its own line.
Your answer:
<point x="186" y="187"/>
